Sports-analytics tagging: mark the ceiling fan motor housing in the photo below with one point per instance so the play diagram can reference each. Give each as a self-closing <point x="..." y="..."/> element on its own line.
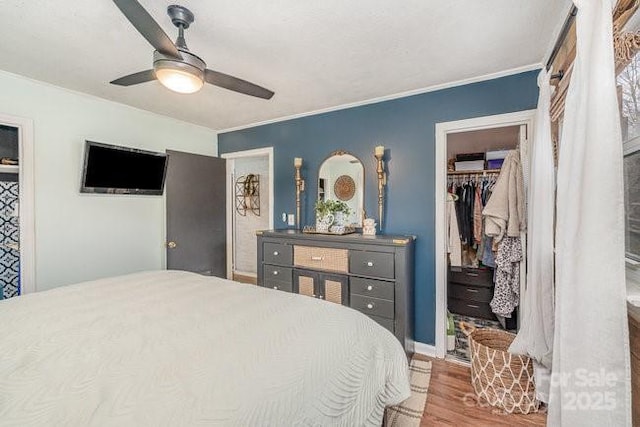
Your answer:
<point x="190" y="63"/>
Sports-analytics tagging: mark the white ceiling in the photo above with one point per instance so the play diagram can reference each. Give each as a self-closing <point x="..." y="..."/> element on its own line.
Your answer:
<point x="313" y="54"/>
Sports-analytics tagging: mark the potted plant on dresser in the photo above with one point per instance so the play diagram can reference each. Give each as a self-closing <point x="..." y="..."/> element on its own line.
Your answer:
<point x="331" y="215"/>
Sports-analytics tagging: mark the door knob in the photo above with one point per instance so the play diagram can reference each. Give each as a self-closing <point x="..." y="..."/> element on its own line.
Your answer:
<point x="171" y="245"/>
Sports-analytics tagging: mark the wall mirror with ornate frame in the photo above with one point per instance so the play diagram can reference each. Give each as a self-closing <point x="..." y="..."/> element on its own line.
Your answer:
<point x="341" y="177"/>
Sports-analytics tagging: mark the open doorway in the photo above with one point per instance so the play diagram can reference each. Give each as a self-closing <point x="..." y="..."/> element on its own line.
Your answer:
<point x="17" y="263"/>
<point x="249" y="208"/>
<point x="469" y="157"/>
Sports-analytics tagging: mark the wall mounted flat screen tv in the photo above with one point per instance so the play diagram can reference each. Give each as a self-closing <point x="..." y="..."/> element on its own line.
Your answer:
<point x="122" y="170"/>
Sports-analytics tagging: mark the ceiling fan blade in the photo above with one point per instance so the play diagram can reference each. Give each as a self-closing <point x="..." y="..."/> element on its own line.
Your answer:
<point x="148" y="27"/>
<point x="235" y="84"/>
<point x="135" y="78"/>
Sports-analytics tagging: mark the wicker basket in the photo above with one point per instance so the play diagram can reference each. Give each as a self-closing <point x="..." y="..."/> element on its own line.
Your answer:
<point x="502" y="379"/>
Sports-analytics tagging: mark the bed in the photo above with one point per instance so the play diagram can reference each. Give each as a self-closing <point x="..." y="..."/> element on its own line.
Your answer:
<point x="171" y="348"/>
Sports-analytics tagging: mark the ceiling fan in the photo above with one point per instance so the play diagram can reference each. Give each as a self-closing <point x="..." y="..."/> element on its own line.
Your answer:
<point x="173" y="64"/>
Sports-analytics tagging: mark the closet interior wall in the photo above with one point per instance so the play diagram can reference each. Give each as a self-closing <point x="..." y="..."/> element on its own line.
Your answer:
<point x="470" y="276"/>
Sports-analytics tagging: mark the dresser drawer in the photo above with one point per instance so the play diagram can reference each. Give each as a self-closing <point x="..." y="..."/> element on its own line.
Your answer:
<point x="372" y="288"/>
<point x="385" y="323"/>
<point x="276" y="253"/>
<point x="470" y="308"/>
<point x="472" y="276"/>
<point x="374" y="264"/>
<point x="280" y="286"/>
<point x="470" y="293"/>
<point x="318" y="258"/>
<point x="274" y="273"/>
<point x="373" y="306"/>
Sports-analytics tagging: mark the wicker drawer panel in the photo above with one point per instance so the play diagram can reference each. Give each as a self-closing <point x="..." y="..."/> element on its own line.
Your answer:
<point x="372" y="288"/>
<point x="373" y="306"/>
<point x="472" y="276"/>
<point x="470" y="308"/>
<point x="276" y="253"/>
<point x="470" y="293"/>
<point x="274" y="273"/>
<point x="280" y="286"/>
<point x="385" y="323"/>
<point x="321" y="258"/>
<point x="373" y="264"/>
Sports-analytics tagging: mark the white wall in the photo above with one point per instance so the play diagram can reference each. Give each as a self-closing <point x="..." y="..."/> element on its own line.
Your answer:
<point x="81" y="236"/>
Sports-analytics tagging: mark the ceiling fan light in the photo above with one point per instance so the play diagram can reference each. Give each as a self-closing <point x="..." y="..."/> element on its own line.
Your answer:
<point x="180" y="81"/>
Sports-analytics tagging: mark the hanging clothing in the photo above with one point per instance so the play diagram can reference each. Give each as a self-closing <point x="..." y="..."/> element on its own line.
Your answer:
<point x="454" y="246"/>
<point x="591" y="328"/>
<point x="487" y="255"/>
<point x="504" y="212"/>
<point x="477" y="214"/>
<point x="535" y="337"/>
<point x="506" y="293"/>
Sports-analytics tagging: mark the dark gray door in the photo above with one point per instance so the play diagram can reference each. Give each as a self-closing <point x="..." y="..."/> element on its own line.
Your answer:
<point x="196" y="214"/>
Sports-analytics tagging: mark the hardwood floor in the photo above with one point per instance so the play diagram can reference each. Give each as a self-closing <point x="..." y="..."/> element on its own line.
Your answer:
<point x="451" y="401"/>
<point x="245" y="279"/>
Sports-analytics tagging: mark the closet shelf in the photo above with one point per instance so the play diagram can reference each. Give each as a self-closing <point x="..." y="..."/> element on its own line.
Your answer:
<point x="9" y="168"/>
<point x="478" y="172"/>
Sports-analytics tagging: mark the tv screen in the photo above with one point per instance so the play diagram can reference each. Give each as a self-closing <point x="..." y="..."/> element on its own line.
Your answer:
<point x="122" y="170"/>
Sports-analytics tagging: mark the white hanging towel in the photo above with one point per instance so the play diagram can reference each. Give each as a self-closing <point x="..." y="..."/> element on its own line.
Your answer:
<point x="535" y="337"/>
<point x="591" y="379"/>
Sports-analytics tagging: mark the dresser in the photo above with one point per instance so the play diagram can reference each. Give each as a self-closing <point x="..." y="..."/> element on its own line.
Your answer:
<point x="469" y="291"/>
<point x="371" y="274"/>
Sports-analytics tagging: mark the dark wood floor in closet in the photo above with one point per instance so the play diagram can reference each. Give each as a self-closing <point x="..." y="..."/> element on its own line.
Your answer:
<point x="447" y="406"/>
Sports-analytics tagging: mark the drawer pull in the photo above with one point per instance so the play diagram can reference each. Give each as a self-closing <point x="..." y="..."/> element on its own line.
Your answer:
<point x="369" y="288"/>
<point x="369" y="263"/>
<point x="472" y="274"/>
<point x="475" y="291"/>
<point x="472" y="306"/>
<point x="275" y="273"/>
<point x="316" y="258"/>
<point x="276" y="253"/>
<point x="275" y="287"/>
<point x="370" y="306"/>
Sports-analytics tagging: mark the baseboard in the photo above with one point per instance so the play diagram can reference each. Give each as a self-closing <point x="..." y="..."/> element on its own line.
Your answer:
<point x="425" y="349"/>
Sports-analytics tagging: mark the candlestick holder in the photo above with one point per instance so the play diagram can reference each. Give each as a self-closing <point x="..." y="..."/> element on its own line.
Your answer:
<point x="382" y="182"/>
<point x="299" y="189"/>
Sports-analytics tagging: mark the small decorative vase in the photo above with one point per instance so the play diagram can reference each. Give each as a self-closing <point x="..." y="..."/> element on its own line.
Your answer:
<point x="369" y="227"/>
<point x="323" y="224"/>
<point x="340" y="219"/>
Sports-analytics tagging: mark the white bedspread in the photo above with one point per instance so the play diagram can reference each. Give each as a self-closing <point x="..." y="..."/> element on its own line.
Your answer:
<point x="171" y="348"/>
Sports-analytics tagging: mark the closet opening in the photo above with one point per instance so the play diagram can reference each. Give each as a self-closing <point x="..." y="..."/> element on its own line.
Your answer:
<point x="480" y="261"/>
<point x="17" y="228"/>
<point x="249" y="208"/>
<point x="9" y="212"/>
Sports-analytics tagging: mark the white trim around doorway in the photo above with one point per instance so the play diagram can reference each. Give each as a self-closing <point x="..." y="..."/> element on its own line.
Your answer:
<point x="26" y="199"/>
<point x="442" y="130"/>
<point x="258" y="152"/>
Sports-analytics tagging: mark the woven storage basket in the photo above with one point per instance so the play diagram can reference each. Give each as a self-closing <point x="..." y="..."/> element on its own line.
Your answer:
<point x="502" y="379"/>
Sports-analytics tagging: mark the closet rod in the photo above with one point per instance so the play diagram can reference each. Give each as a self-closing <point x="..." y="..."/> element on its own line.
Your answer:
<point x="483" y="172"/>
<point x="563" y="35"/>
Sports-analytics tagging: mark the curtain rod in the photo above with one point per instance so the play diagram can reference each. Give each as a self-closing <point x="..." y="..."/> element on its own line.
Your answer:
<point x="561" y="38"/>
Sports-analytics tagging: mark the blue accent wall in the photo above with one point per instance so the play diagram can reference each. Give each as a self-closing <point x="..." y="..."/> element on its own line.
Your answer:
<point x="406" y="127"/>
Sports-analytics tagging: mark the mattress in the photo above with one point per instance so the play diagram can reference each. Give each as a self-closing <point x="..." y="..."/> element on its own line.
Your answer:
<point x="171" y="348"/>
